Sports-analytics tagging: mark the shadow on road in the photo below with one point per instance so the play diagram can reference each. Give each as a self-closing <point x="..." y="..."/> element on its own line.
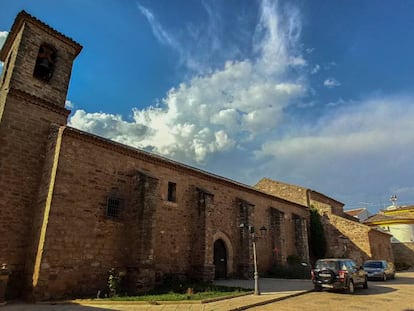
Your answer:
<point x="22" y="306"/>
<point x="398" y="280"/>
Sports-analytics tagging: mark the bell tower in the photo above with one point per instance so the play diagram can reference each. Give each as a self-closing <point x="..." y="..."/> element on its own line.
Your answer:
<point x="38" y="60"/>
<point x="33" y="87"/>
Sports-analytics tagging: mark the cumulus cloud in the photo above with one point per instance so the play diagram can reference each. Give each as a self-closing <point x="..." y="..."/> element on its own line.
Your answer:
<point x="222" y="110"/>
<point x="235" y="117"/>
<point x="109" y="126"/>
<point x="331" y="83"/>
<point x="366" y="142"/>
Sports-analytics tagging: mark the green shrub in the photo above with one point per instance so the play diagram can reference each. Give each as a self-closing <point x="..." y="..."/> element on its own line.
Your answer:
<point x="290" y="271"/>
<point x="317" y="243"/>
<point x="114" y="282"/>
<point x="400" y="266"/>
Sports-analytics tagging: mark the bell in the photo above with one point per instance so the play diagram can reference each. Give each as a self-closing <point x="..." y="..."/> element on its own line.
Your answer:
<point x="44" y="64"/>
<point x="43" y="69"/>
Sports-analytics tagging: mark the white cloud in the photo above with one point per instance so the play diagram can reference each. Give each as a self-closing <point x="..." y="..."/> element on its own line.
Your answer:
<point x="69" y="104"/>
<point x="234" y="118"/>
<point x="3" y="36"/>
<point x="315" y="69"/>
<point x="162" y="35"/>
<point x="109" y="126"/>
<point x="360" y="144"/>
<point x="219" y="111"/>
<point x="198" y="46"/>
<point x="310" y="50"/>
<point x="339" y="102"/>
<point x="331" y="82"/>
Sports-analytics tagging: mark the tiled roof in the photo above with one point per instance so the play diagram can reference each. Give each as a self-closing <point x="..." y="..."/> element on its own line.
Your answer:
<point x="383" y="218"/>
<point x="22" y="17"/>
<point x="354" y="212"/>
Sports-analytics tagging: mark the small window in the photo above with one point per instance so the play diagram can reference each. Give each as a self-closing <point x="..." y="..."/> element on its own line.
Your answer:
<point x="113" y="207"/>
<point x="45" y="62"/>
<point x="172" y="191"/>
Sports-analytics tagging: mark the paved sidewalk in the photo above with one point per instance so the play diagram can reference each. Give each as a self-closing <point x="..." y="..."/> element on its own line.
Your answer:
<point x="272" y="290"/>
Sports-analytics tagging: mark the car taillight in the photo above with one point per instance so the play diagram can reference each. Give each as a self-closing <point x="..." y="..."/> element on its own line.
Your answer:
<point x="341" y="274"/>
<point x="312" y="274"/>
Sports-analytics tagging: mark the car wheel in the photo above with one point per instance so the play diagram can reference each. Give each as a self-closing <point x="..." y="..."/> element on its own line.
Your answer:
<point x="351" y="287"/>
<point x="318" y="288"/>
<point x="384" y="277"/>
<point x="365" y="285"/>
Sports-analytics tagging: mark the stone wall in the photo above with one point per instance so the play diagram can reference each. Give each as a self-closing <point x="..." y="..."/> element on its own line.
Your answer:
<point x="324" y="203"/>
<point x="22" y="156"/>
<point x="346" y="238"/>
<point x="289" y="192"/>
<point x="153" y="236"/>
<point x="403" y="254"/>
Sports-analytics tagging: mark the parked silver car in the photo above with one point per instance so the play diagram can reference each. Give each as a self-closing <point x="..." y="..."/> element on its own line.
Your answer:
<point x="379" y="269"/>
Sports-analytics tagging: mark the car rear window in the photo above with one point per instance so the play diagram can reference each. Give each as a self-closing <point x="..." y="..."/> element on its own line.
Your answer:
<point x="326" y="264"/>
<point x="374" y="264"/>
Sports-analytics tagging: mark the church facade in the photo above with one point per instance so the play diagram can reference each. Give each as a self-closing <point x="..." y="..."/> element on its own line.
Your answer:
<point x="74" y="205"/>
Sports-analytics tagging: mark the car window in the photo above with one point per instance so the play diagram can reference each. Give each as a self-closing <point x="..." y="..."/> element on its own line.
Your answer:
<point x="373" y="264"/>
<point x="326" y="264"/>
<point x="350" y="265"/>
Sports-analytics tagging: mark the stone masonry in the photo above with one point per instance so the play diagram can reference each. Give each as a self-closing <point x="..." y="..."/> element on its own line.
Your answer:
<point x="345" y="236"/>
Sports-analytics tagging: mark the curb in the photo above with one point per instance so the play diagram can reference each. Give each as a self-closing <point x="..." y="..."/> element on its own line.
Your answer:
<point x="139" y="302"/>
<point x="262" y="303"/>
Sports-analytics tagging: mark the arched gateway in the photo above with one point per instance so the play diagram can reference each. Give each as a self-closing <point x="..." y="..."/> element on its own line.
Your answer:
<point x="220" y="259"/>
<point x="223" y="256"/>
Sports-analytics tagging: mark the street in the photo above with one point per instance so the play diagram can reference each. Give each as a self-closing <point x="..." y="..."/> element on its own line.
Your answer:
<point x="390" y="295"/>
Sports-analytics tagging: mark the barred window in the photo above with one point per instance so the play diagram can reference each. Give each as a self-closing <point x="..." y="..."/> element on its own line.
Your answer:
<point x="113" y="207"/>
<point x="172" y="191"/>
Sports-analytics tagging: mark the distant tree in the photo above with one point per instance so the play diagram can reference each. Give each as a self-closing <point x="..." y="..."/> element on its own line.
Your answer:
<point x="317" y="235"/>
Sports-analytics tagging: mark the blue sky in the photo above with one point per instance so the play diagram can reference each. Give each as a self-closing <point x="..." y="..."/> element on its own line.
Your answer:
<point x="314" y="93"/>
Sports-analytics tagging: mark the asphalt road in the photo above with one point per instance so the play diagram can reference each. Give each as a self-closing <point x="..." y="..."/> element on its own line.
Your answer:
<point x="391" y="295"/>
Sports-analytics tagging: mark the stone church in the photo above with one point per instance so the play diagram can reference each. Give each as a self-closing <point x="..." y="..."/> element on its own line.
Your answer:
<point x="74" y="205"/>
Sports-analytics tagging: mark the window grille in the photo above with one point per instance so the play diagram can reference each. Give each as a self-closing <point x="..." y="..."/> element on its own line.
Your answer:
<point x="113" y="207"/>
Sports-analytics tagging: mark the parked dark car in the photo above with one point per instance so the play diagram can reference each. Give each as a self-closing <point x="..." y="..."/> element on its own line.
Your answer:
<point x="338" y="273"/>
<point x="379" y="269"/>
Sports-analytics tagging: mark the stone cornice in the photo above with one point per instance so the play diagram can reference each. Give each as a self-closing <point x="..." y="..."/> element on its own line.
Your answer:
<point x="32" y="99"/>
<point x="23" y="17"/>
<point x="167" y="163"/>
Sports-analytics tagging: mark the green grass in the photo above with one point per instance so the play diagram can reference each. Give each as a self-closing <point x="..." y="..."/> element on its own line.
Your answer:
<point x="177" y="297"/>
<point x="175" y="291"/>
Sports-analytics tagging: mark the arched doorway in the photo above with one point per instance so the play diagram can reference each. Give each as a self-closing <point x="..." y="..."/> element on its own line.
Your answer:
<point x="220" y="259"/>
